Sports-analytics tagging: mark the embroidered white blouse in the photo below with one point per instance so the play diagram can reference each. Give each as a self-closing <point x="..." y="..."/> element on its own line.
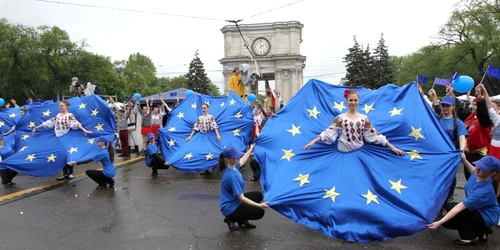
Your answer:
<point x="353" y="133"/>
<point x="62" y="123"/>
<point x="205" y="123"/>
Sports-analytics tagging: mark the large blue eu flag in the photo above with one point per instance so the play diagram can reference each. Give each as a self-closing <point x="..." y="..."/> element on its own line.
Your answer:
<point x="233" y="116"/>
<point x="44" y="154"/>
<point x="8" y="119"/>
<point x="363" y="195"/>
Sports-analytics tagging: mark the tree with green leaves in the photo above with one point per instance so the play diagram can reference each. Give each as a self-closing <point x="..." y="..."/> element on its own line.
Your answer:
<point x="197" y="79"/>
<point x="139" y="71"/>
<point x="381" y="67"/>
<point x="355" y="65"/>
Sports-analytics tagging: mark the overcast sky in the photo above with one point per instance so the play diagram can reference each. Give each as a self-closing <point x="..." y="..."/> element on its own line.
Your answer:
<point x="170" y="41"/>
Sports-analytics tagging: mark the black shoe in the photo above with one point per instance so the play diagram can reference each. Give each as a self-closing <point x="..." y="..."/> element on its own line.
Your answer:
<point x="466" y="243"/>
<point x="122" y="155"/>
<point x="246" y="224"/>
<point x="484" y="237"/>
<point x="154" y="174"/>
<point x="100" y="187"/>
<point x="231" y="225"/>
<point x="111" y="184"/>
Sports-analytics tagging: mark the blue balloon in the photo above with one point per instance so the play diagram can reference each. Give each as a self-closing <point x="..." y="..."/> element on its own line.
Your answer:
<point x="189" y="93"/>
<point x="463" y="84"/>
<point x="137" y="96"/>
<point x="251" y="97"/>
<point x="2" y="101"/>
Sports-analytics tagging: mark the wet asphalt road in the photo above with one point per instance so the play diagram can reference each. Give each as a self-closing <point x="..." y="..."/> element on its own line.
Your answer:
<point x="175" y="211"/>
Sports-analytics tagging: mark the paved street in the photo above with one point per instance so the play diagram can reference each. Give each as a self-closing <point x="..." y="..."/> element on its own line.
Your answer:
<point x="175" y="211"/>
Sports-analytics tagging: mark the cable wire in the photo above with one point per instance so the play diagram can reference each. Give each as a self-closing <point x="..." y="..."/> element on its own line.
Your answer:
<point x="277" y="8"/>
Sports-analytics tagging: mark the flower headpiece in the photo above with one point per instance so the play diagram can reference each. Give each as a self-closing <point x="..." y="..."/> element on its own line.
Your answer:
<point x="346" y="92"/>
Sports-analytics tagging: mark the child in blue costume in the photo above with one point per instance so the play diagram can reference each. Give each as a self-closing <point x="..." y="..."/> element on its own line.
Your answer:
<point x="153" y="157"/>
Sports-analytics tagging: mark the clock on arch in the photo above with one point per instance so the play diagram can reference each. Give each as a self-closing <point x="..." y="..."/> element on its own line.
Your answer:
<point x="261" y="46"/>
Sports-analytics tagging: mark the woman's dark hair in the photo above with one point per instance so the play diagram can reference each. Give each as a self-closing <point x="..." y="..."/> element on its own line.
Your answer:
<point x="24" y="110"/>
<point x="222" y="162"/>
<point x="65" y="103"/>
<point x="234" y="70"/>
<point x="111" y="151"/>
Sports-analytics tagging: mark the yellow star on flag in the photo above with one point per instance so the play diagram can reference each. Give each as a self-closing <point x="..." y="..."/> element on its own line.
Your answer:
<point x="331" y="193"/>
<point x="222" y="104"/>
<point x="180" y="115"/>
<point x="417" y="133"/>
<point x="370" y="197"/>
<point x="1" y="124"/>
<point x="72" y="150"/>
<point x="414" y="154"/>
<point x="46" y="113"/>
<point x="368" y="108"/>
<point x="99" y="126"/>
<point x="209" y="156"/>
<point x="12" y="115"/>
<point x="232" y="102"/>
<point x="313" y="112"/>
<point x="32" y="124"/>
<point x="303" y="179"/>
<point x="171" y="142"/>
<point x="90" y="141"/>
<point x="340" y="106"/>
<point x="171" y="129"/>
<point x="238" y="115"/>
<point x="30" y="157"/>
<point x="397" y="186"/>
<point x="51" y="158"/>
<point x="288" y="154"/>
<point x="95" y="112"/>
<point x="236" y="132"/>
<point x="193" y="105"/>
<point x="25" y="137"/>
<point x="396" y="111"/>
<point x="294" y="130"/>
<point x="188" y="156"/>
<point x="23" y="148"/>
<point x="83" y="105"/>
<point x="207" y="103"/>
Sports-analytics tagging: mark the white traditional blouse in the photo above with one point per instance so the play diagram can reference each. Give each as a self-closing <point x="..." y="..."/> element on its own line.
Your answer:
<point x="205" y="123"/>
<point x="353" y="133"/>
<point x="156" y="119"/>
<point x="62" y="123"/>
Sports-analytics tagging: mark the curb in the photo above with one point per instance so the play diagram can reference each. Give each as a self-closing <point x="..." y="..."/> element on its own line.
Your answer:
<point x="19" y="195"/>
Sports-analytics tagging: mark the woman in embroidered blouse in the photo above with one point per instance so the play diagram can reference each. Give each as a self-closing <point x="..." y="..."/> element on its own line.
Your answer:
<point x="62" y="124"/>
<point x="354" y="129"/>
<point x="205" y="123"/>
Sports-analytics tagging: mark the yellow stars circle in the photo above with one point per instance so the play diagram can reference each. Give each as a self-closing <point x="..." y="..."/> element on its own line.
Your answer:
<point x="238" y="115"/>
<point x="222" y="104"/>
<point x="31" y="125"/>
<point x="180" y="115"/>
<point x="397" y="186"/>
<point x="12" y="115"/>
<point x="303" y="179"/>
<point x="51" y="158"/>
<point x="171" y="142"/>
<point x="295" y="130"/>
<point x="82" y="105"/>
<point x="207" y="103"/>
<point x="95" y="112"/>
<point x="25" y="137"/>
<point x="232" y="102"/>
<point x="99" y="127"/>
<point x="395" y="111"/>
<point x="340" y="106"/>
<point x="171" y="129"/>
<point x="46" y="113"/>
<point x="193" y="105"/>
<point x="414" y="154"/>
<point x="1" y="124"/>
<point x="368" y="108"/>
<point x="331" y="194"/>
<point x="236" y="132"/>
<point x="72" y="150"/>
<point x="188" y="156"/>
<point x="370" y="197"/>
<point x="288" y="154"/>
<point x="209" y="156"/>
<point x="313" y="112"/>
<point x="30" y="157"/>
<point x="23" y="148"/>
<point x="417" y="133"/>
<point x="90" y="141"/>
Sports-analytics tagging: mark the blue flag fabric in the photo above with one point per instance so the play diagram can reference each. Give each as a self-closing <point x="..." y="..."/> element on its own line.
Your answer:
<point x="9" y="118"/>
<point x="442" y="81"/>
<point x="493" y="72"/>
<point x="44" y="154"/>
<point x="454" y="77"/>
<point x="363" y="195"/>
<point x="233" y="116"/>
<point x="422" y="79"/>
